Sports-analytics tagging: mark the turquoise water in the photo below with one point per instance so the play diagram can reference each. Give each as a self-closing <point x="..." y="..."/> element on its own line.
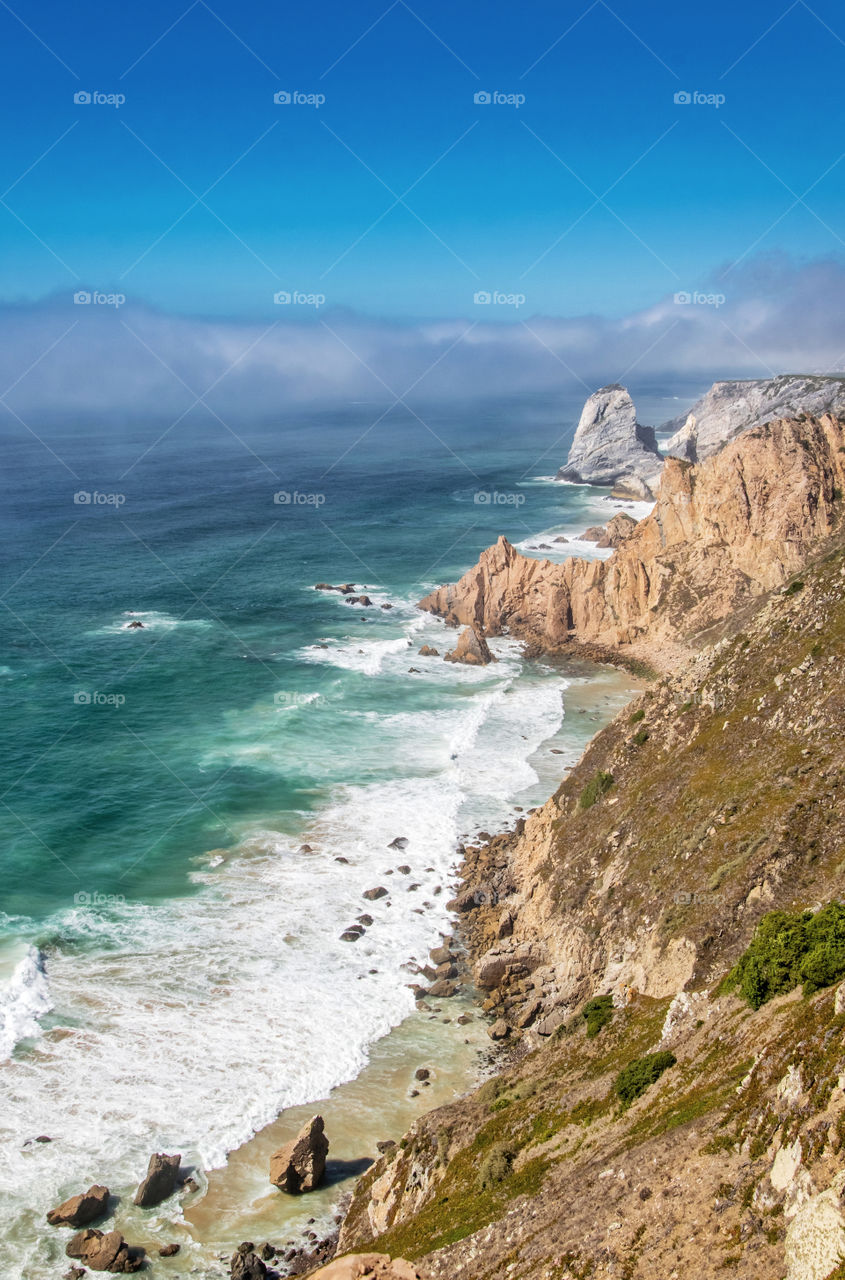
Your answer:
<point x="163" y="935"/>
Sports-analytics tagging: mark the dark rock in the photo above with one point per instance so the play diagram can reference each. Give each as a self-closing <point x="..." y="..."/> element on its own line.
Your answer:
<point x="79" y="1210"/>
<point x="104" y="1251"/>
<point x="400" y="842"/>
<point x="169" y="1250"/>
<point x="135" y="625"/>
<point x="351" y="935"/>
<point x="246" y="1265"/>
<point x="300" y="1165"/>
<point x="404" y="870"/>
<point x="442" y="989"/>
<point x="422" y="1073"/>
<point x="366" y="921"/>
<point x="372" y="894"/>
<point x="267" y="1251"/>
<point x="160" y="1182"/>
<point x="305" y="848"/>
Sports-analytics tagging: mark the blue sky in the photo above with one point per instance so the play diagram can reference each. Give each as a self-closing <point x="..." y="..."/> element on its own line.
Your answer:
<point x="503" y="198"/>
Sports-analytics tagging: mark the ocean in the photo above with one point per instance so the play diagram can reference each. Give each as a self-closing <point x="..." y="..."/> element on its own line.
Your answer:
<point x="172" y="975"/>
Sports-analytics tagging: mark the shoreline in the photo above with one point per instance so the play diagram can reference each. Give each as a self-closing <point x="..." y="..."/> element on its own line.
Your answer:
<point x="376" y="1104"/>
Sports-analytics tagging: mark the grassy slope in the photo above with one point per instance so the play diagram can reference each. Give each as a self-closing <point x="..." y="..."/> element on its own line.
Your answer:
<point x="724" y="805"/>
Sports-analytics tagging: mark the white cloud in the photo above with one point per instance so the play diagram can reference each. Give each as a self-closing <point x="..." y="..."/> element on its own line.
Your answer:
<point x="778" y="316"/>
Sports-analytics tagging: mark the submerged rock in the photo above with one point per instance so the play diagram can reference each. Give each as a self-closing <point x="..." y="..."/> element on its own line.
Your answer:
<point x="79" y="1210"/>
<point x="300" y="1165"/>
<point x="160" y="1182"/>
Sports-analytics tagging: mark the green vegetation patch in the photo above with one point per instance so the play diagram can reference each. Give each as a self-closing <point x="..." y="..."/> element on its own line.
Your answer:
<point x="640" y="1075"/>
<point x="790" y="948"/>
<point x="599" y="785"/>
<point x="597" y="1013"/>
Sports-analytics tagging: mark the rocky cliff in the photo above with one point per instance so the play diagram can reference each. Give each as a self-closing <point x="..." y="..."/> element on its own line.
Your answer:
<point x="611" y="448"/>
<point x="729" y="408"/>
<point x="722" y="533"/>
<point x="651" y="1124"/>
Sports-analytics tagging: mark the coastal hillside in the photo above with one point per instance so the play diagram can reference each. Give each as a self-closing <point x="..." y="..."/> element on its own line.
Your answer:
<point x="672" y="1095"/>
<point x="721" y="533"/>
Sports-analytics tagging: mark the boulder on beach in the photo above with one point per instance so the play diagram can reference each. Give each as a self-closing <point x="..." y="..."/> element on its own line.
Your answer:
<point x="372" y="894"/>
<point x="246" y="1264"/>
<point x="367" y="1266"/>
<point x="427" y="651"/>
<point x="79" y="1210"/>
<point x="169" y="1250"/>
<point x="104" y="1251"/>
<point x="300" y="1165"/>
<point x="160" y="1182"/>
<point x="471" y="649"/>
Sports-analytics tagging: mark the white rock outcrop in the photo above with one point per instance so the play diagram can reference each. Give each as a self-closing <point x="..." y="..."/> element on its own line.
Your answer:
<point x="611" y="448"/>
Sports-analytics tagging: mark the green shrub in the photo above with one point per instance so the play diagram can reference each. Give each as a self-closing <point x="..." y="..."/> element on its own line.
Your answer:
<point x="789" y="948"/>
<point x="794" y="588"/>
<point x="495" y="1167"/>
<point x="640" y="737"/>
<point x="599" y="784"/>
<point x="597" y="1013"/>
<point x="636" y="717"/>
<point x="640" y="1074"/>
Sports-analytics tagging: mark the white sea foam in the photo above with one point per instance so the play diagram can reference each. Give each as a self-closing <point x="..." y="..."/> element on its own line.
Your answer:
<point x="188" y="1025"/>
<point x="23" y="1000"/>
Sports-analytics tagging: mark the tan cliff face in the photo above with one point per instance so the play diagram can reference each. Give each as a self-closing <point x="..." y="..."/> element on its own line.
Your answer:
<point x="723" y="801"/>
<point x="732" y="527"/>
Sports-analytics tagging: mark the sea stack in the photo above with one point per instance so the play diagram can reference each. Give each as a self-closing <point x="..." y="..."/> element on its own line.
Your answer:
<point x="300" y="1165"/>
<point x="611" y="448"/>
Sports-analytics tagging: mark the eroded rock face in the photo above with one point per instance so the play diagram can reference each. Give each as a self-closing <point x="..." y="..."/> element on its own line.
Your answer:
<point x="80" y="1210"/>
<point x="300" y="1165"/>
<point x="611" y="447"/>
<point x="471" y="649"/>
<point x="160" y="1182"/>
<point x="729" y="408"/>
<point x="734" y="526"/>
